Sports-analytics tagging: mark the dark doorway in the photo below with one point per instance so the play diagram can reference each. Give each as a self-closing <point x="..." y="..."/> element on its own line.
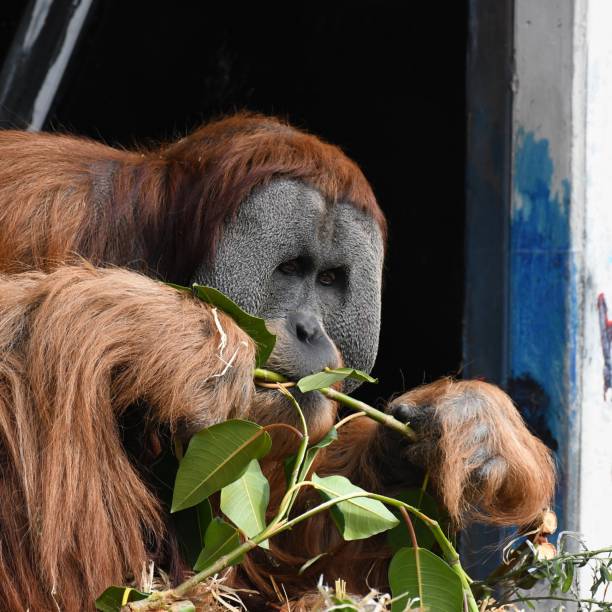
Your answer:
<point x="388" y="88"/>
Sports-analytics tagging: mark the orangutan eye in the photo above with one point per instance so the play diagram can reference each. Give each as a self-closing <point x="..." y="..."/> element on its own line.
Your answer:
<point x="327" y="278"/>
<point x="290" y="267"/>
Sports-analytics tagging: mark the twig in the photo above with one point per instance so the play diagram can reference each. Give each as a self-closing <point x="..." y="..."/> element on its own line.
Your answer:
<point x="228" y="364"/>
<point x="556" y="598"/>
<point x="222" y="334"/>
<point x="423" y="489"/>
<point x="291" y="428"/>
<point x="289" y="498"/>
<point x="410" y="526"/>
<point x="415" y="545"/>
<point x="287" y="385"/>
<point x="350" y="402"/>
<point x="348" y="418"/>
<point x="268" y="376"/>
<point x="381" y="417"/>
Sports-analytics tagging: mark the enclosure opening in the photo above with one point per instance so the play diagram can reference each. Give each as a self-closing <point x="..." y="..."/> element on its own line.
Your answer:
<point x="389" y="89"/>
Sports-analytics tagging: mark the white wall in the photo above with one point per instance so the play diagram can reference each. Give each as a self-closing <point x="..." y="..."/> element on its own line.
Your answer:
<point x="561" y="253"/>
<point x="595" y="492"/>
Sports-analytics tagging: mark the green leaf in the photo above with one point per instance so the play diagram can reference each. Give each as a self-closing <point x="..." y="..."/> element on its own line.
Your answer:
<point x="331" y="376"/>
<point x="399" y="537"/>
<point x="310" y="562"/>
<point x="254" y="326"/>
<point x="205" y="516"/>
<point x="189" y="533"/>
<point x="569" y="577"/>
<point x="221" y="539"/>
<point x="357" y="518"/>
<point x="310" y="456"/>
<point x="435" y="584"/>
<point x="215" y="457"/>
<point x="190" y="524"/>
<point x="114" y="598"/>
<point x="245" y="501"/>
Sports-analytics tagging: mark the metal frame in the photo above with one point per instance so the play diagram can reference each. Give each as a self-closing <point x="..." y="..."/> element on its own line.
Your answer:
<point x="37" y="60"/>
<point x="488" y="201"/>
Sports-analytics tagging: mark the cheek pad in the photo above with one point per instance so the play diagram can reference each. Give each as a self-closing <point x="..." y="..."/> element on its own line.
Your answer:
<point x="248" y="252"/>
<point x="355" y="329"/>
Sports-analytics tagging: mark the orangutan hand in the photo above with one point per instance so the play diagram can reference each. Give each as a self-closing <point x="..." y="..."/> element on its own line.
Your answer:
<point x="481" y="457"/>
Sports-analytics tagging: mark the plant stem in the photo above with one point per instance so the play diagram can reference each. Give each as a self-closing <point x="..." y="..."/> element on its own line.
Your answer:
<point x="423" y="488"/>
<point x="450" y="554"/>
<point x="291" y="428"/>
<point x="280" y="522"/>
<point x="222" y="563"/>
<point x="289" y="497"/>
<point x="377" y="415"/>
<point x="348" y="419"/>
<point x="448" y="550"/>
<point x="156" y="600"/>
<point x="415" y="545"/>
<point x="269" y="376"/>
<point x="557" y="598"/>
<point x="350" y="402"/>
<point x="408" y="521"/>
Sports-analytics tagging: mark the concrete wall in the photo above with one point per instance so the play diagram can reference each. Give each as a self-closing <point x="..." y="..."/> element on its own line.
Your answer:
<point x="553" y="287"/>
<point x="595" y="275"/>
<point x="542" y="315"/>
<point x="561" y="245"/>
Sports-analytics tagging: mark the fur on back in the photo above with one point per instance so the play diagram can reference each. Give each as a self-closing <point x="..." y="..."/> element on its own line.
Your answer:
<point x="160" y="209"/>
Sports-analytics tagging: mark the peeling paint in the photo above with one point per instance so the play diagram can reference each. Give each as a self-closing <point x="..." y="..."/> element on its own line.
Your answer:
<point x="540" y="259"/>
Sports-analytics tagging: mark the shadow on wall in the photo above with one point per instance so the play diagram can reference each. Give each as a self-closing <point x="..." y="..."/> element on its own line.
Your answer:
<point x="533" y="403"/>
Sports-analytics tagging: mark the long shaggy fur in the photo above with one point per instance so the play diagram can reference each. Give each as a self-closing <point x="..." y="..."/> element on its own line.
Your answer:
<point x="481" y="457"/>
<point x="80" y="345"/>
<point x="482" y="461"/>
<point x="77" y="348"/>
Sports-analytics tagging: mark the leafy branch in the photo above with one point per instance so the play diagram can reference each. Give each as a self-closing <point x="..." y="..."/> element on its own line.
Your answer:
<point x="556" y="569"/>
<point x="311" y="383"/>
<point x="225" y="457"/>
<point x="358" y="513"/>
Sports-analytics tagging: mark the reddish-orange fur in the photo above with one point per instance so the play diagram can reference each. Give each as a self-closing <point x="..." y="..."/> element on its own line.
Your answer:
<point x="78" y="345"/>
<point x="517" y="488"/>
<point x="159" y="210"/>
<point x="514" y="493"/>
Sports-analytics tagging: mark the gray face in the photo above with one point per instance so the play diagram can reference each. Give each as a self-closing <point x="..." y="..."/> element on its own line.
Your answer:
<point x="312" y="271"/>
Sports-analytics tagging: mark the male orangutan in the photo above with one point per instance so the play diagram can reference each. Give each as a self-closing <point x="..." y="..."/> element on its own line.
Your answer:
<point x="287" y="226"/>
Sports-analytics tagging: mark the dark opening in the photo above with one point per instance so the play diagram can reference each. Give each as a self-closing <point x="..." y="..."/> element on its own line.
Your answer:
<point x="386" y="87"/>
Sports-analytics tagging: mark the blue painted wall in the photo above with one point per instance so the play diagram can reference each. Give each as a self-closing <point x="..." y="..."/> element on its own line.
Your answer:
<point x="541" y="294"/>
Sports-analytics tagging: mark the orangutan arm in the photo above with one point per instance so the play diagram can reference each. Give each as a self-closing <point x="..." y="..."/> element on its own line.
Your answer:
<point x="481" y="460"/>
<point x="77" y="348"/>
